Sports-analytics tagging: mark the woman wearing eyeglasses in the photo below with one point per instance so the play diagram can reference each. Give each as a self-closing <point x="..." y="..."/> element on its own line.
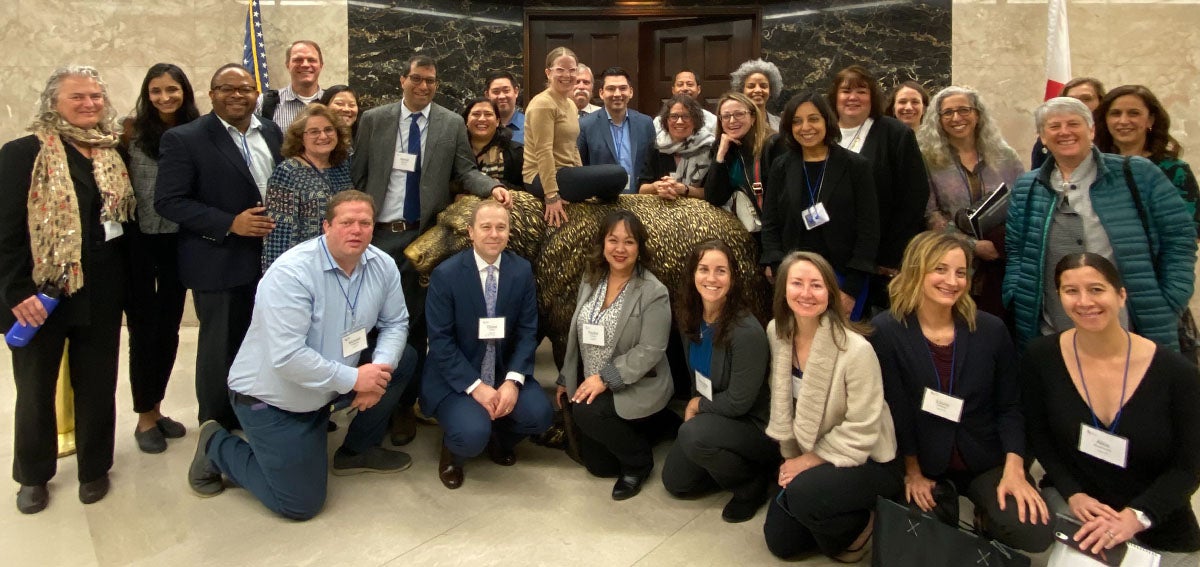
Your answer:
<point x="316" y="148"/>
<point x="553" y="169"/>
<point x="679" y="160"/>
<point x="743" y="153"/>
<point x="967" y="160"/>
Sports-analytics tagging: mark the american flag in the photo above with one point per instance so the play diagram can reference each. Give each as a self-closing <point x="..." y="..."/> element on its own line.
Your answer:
<point x="254" y="48"/>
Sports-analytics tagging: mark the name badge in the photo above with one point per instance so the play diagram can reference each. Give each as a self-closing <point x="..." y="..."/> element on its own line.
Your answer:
<point x="354" y="342"/>
<point x="491" y="327"/>
<point x="1103" y="445"/>
<point x="112" y="229"/>
<point x="405" y="161"/>
<point x="704" y="386"/>
<point x="593" y="335"/>
<point x="815" y="216"/>
<point x="796" y="382"/>
<point x="942" y="405"/>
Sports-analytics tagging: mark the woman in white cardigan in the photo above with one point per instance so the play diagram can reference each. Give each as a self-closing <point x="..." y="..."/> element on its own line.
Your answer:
<point x="828" y="414"/>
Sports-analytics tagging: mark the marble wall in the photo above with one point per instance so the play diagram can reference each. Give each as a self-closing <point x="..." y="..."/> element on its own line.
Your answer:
<point x="122" y="39"/>
<point x="898" y="39"/>
<point x="1000" y="47"/>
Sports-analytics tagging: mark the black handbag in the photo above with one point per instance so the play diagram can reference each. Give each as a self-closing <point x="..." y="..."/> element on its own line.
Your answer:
<point x="1187" y="324"/>
<point x="907" y="537"/>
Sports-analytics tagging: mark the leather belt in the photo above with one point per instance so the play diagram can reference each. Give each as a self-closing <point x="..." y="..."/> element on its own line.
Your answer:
<point x="245" y="400"/>
<point x="398" y="226"/>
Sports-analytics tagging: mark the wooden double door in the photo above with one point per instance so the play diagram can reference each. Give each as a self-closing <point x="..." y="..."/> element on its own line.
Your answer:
<point x="652" y="46"/>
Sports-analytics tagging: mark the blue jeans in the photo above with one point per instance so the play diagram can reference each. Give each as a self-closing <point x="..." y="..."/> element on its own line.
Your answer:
<point x="285" y="462"/>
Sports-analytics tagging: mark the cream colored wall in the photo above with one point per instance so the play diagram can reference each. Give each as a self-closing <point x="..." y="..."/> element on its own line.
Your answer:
<point x="999" y="48"/>
<point x="124" y="38"/>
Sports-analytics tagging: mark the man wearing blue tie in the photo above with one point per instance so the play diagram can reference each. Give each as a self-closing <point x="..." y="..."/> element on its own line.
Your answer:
<point x="481" y="313"/>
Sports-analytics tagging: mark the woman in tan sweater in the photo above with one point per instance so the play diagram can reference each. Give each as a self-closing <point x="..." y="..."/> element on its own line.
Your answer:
<point x="553" y="169"/>
<point x="828" y="414"/>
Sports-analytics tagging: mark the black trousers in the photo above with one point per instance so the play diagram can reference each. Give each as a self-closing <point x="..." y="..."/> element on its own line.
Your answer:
<point x="394" y="244"/>
<point x="714" y="451"/>
<point x="153" y="310"/>
<point x="224" y="317"/>
<point x="583" y="182"/>
<point x="611" y="445"/>
<point x="1005" y="525"/>
<point x="826" y="507"/>
<point x="92" y="351"/>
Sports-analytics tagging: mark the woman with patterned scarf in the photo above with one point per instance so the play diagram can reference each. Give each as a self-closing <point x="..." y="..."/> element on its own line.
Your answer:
<point x="64" y="193"/>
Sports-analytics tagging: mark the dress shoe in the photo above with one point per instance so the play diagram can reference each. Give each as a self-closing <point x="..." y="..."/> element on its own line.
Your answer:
<point x="151" y="441"/>
<point x="203" y="477"/>
<point x="449" y="473"/>
<point x="32" y="499"/>
<point x="94" y="491"/>
<point x="375" y="459"/>
<point x="404" y="426"/>
<point x="628" y="486"/>
<point x="170" y="428"/>
<point x="500" y="456"/>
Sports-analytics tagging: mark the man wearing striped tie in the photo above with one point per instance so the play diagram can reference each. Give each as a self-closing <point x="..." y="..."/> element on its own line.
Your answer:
<point x="481" y="312"/>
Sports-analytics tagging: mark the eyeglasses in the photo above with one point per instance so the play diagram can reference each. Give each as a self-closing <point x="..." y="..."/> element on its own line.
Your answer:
<point x="428" y="81"/>
<point x="564" y="71"/>
<point x="963" y="111"/>
<point x="738" y="115"/>
<point x="227" y="90"/>
<point x="679" y="117"/>
<point x="315" y="132"/>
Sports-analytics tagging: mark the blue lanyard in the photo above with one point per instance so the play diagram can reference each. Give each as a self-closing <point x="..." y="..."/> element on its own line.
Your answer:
<point x="1124" y="381"/>
<point x="246" y="152"/>
<point x="813" y="194"/>
<point x="615" y="131"/>
<point x="937" y="378"/>
<point x="337" y="274"/>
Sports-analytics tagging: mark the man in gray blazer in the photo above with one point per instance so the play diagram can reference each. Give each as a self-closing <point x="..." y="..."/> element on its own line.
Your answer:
<point x="406" y="154"/>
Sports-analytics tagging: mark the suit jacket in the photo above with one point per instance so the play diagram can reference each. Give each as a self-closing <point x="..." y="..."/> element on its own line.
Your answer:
<point x="900" y="182"/>
<point x="850" y="239"/>
<point x="985" y="377"/>
<point x="740" y="389"/>
<point x="447" y="155"/>
<point x="453" y="307"/>
<point x="638" y="373"/>
<point x="596" y="145"/>
<point x="203" y="183"/>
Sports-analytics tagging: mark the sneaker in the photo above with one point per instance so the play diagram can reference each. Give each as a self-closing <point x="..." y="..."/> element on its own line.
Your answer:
<point x="203" y="477"/>
<point x="375" y="459"/>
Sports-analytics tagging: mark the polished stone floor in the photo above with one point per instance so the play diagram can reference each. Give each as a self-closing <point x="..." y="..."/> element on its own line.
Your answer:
<point x="546" y="510"/>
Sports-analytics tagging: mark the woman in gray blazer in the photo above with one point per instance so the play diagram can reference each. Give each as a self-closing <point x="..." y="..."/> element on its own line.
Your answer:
<point x="615" y="372"/>
<point x="721" y="443"/>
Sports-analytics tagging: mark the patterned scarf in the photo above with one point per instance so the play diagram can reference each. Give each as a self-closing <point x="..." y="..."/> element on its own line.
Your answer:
<point x="693" y="153"/>
<point x="55" y="231"/>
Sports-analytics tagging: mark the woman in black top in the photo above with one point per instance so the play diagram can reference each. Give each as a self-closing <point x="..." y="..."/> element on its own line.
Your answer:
<point x="1098" y="387"/>
<point x="935" y="346"/>
<point x="721" y="443"/>
<point x="496" y="153"/>
<point x="821" y="198"/>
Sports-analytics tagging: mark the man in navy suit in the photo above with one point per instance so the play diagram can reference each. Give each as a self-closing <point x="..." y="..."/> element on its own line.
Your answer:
<point x="481" y="311"/>
<point x="617" y="135"/>
<point x="212" y="180"/>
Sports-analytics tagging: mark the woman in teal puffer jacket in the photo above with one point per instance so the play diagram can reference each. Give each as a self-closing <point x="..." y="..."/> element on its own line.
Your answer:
<point x="1080" y="201"/>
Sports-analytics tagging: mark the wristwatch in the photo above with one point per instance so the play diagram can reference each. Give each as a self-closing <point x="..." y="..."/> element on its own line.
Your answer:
<point x="1142" y="518"/>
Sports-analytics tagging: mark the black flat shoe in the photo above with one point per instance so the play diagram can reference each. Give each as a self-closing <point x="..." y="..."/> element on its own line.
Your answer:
<point x="742" y="509"/>
<point x="628" y="486"/>
<point x="151" y="441"/>
<point x="94" y="491"/>
<point x="170" y="428"/>
<point x="32" y="499"/>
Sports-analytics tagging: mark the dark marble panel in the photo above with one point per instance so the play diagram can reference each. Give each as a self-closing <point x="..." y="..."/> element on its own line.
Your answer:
<point x="809" y="40"/>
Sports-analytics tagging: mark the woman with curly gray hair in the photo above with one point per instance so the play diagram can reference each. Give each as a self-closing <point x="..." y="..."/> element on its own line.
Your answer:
<point x="967" y="159"/>
<point x="761" y="81"/>
<point x="64" y="193"/>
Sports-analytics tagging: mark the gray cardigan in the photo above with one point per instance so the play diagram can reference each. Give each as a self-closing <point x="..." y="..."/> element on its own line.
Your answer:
<point x="740" y="388"/>
<point x="638" y="373"/>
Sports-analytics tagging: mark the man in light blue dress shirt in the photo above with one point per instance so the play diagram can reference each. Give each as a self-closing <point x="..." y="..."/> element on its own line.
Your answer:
<point x="312" y="312"/>
<point x="619" y="135"/>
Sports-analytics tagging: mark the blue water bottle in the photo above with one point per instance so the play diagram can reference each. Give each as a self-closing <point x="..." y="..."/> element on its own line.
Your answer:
<point x="20" y="335"/>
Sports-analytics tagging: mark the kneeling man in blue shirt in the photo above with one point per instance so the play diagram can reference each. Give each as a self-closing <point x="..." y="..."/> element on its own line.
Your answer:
<point x="312" y="312"/>
<point x="481" y="309"/>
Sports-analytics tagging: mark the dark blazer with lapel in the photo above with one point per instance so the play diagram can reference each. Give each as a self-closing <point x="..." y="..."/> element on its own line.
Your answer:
<point x="453" y="307"/>
<point x="203" y="183"/>
<point x="985" y="377"/>
<point x="447" y="155"/>
<point x="851" y="237"/>
<point x="901" y="183"/>
<point x="739" y="371"/>
<point x="596" y="145"/>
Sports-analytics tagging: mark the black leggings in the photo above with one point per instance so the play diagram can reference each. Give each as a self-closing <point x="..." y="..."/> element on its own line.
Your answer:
<point x="583" y="182"/>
